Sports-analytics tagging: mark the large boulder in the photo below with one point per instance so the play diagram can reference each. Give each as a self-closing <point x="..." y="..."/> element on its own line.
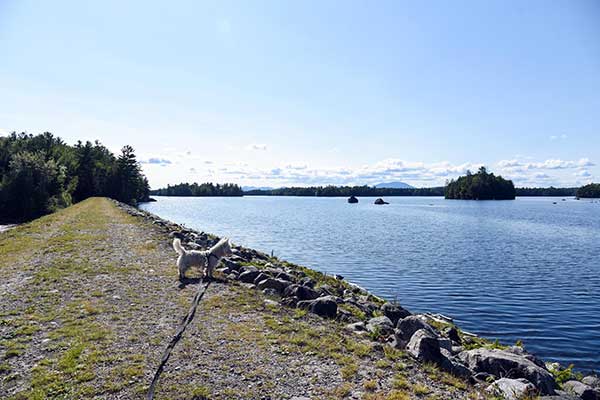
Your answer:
<point x="325" y="306"/>
<point x="506" y="364"/>
<point x="582" y="390"/>
<point x="406" y="327"/>
<point x="249" y="276"/>
<point x="301" y="292"/>
<point x="380" y="325"/>
<point x="512" y="389"/>
<point x="592" y="380"/>
<point x="278" y="285"/>
<point x="424" y="346"/>
<point x="307" y="281"/>
<point x="380" y="201"/>
<point x="394" y="312"/>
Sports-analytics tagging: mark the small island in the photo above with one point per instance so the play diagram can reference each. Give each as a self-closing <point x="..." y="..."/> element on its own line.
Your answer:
<point x="591" y="191"/>
<point x="480" y="186"/>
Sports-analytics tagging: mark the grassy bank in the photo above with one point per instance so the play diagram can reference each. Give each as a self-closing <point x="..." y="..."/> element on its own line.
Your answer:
<point x="90" y="298"/>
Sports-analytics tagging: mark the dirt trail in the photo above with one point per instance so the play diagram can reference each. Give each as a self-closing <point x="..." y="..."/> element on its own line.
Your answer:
<point x="90" y="297"/>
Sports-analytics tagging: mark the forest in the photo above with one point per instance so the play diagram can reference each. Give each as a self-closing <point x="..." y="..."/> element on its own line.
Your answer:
<point x="480" y="186"/>
<point x="589" y="191"/>
<point x="346" y="191"/>
<point x="40" y="174"/>
<point x="205" y="189"/>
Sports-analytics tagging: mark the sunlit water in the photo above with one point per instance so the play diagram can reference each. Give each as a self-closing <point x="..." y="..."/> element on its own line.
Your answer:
<point x="526" y="269"/>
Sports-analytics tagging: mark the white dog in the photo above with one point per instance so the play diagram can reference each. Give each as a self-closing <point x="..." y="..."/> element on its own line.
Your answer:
<point x="208" y="259"/>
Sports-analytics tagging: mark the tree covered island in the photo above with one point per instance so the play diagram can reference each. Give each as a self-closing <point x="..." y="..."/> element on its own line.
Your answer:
<point x="480" y="186"/>
<point x="589" y="191"/>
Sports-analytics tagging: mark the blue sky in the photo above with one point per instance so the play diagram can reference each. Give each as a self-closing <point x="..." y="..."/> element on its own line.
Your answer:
<point x="313" y="92"/>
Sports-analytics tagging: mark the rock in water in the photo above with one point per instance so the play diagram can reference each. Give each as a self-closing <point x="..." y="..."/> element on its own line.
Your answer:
<point x="380" y="201"/>
<point x="513" y="389"/>
<point x="352" y="200"/>
<point x="498" y="362"/>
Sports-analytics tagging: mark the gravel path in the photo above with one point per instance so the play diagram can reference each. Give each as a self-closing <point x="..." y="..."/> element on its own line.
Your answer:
<point x="90" y="298"/>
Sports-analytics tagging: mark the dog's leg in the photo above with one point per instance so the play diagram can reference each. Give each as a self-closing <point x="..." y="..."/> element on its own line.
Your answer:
<point x="182" y="268"/>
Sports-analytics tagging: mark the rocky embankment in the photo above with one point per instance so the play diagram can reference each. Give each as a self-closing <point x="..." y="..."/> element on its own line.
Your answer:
<point x="503" y="371"/>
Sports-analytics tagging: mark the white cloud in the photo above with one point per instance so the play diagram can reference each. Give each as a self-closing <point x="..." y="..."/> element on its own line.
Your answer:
<point x="583" y="173"/>
<point x="557" y="137"/>
<point x="256" y="146"/>
<point x="547" y="164"/>
<point x="156" y="161"/>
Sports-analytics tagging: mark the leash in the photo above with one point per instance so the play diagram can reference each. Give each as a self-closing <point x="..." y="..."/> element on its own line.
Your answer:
<point x="186" y="321"/>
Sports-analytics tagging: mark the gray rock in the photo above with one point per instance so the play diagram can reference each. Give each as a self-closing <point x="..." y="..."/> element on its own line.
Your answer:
<point x="248" y="276"/>
<point x="512" y="389"/>
<point x="592" y="380"/>
<point x="261" y="277"/>
<point x="356" y="327"/>
<point x="301" y="292"/>
<point x="270" y="292"/>
<point x="453" y="335"/>
<point x="278" y="285"/>
<point x="446" y="344"/>
<point x="506" y="364"/>
<point x="325" y="306"/>
<point x="394" y="312"/>
<point x="382" y="325"/>
<point x="232" y="265"/>
<point x="306" y="281"/>
<point x="582" y="390"/>
<point x="407" y="327"/>
<point x="560" y="395"/>
<point x="424" y="346"/>
<point x="285" y="276"/>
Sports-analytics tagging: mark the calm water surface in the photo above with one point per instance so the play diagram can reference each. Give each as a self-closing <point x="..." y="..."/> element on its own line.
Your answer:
<point x="525" y="269"/>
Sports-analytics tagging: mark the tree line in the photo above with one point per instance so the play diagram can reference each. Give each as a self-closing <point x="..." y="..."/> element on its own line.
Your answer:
<point x="589" y="191"/>
<point x="480" y="186"/>
<point x="547" y="192"/>
<point x="202" y="190"/>
<point x="347" y="191"/>
<point x="40" y="174"/>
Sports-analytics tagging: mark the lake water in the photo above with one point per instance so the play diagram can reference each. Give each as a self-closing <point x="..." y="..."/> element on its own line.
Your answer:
<point x="525" y="269"/>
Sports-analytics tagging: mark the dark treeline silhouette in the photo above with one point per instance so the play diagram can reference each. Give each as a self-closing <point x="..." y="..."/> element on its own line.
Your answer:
<point x="205" y="189"/>
<point x="549" y="191"/>
<point x="40" y="174"/>
<point x="480" y="186"/>
<point x="346" y="191"/>
<point x="589" y="191"/>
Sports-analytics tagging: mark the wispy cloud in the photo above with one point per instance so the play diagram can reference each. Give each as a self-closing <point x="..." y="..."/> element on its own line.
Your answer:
<point x="559" y="137"/>
<point x="156" y="161"/>
<point x="256" y="146"/>
<point x="388" y="169"/>
<point x="517" y="165"/>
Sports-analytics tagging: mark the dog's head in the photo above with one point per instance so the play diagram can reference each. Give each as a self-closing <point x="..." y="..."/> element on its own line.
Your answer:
<point x="223" y="248"/>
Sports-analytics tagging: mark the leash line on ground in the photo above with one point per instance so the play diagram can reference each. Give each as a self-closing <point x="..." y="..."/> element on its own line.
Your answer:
<point x="167" y="353"/>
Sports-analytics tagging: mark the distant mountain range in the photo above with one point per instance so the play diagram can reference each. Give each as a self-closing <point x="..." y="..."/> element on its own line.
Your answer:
<point x="394" y="185"/>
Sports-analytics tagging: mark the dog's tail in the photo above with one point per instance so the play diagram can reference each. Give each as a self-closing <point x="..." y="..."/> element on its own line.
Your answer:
<point x="177" y="246"/>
